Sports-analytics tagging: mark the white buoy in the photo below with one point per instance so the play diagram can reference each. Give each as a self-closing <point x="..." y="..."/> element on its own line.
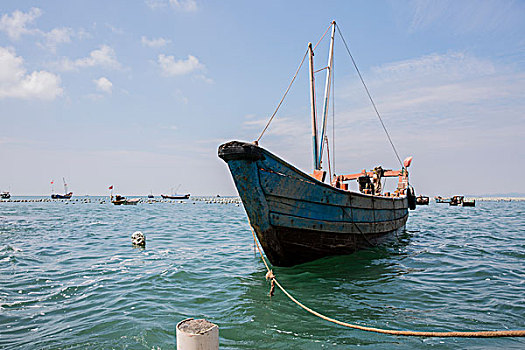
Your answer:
<point x="197" y="335"/>
<point x="138" y="239"/>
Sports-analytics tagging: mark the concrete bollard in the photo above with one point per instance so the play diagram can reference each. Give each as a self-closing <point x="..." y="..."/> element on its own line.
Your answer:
<point x="197" y="335"/>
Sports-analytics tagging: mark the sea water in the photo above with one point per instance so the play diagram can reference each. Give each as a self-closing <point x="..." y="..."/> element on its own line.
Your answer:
<point x="70" y="278"/>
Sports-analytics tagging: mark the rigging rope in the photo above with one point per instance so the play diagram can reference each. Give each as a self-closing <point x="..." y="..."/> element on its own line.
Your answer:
<point x="333" y="114"/>
<point x="282" y="99"/>
<point x="369" y="95"/>
<point x="289" y="86"/>
<point x="474" y="334"/>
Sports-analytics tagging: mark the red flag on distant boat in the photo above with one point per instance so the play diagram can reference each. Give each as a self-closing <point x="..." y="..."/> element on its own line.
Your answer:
<point x="52" y="182"/>
<point x="111" y="187"/>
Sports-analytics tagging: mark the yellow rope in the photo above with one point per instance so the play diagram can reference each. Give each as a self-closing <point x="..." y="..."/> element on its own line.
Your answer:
<point x="475" y="334"/>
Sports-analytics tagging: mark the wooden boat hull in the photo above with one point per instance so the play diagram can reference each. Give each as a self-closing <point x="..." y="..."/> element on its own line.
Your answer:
<point x="297" y="218"/>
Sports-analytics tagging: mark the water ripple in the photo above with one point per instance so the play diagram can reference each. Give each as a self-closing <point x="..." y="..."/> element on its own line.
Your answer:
<point x="70" y="278"/>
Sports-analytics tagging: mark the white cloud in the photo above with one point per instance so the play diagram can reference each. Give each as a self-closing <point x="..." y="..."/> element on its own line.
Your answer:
<point x="156" y="4"/>
<point x="103" y="84"/>
<point x="435" y="82"/>
<point x="178" y="5"/>
<point x="15" y="82"/>
<point x="115" y="30"/>
<point x="104" y="57"/>
<point x="158" y="42"/>
<point x="205" y="79"/>
<point x="57" y="36"/>
<point x="170" y="67"/>
<point x="16" y="25"/>
<point x="447" y="66"/>
<point x="184" y="5"/>
<point x="465" y="16"/>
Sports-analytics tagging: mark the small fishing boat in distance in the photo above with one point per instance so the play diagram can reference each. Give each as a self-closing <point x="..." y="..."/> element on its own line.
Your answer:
<point x="175" y="196"/>
<point x="5" y="195"/>
<point x="468" y="203"/>
<point x="456" y="200"/>
<point x="422" y="200"/>
<point x="66" y="195"/>
<point x="440" y="199"/>
<point x="298" y="217"/>
<point x="121" y="200"/>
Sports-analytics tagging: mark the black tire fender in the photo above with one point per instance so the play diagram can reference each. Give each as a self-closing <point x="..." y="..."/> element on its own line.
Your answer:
<point x="411" y="197"/>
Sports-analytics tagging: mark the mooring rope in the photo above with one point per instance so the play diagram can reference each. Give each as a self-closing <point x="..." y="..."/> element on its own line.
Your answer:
<point x="474" y="334"/>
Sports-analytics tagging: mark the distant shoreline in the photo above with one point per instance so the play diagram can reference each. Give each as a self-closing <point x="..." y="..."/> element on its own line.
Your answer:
<point x="496" y="199"/>
<point x="477" y="198"/>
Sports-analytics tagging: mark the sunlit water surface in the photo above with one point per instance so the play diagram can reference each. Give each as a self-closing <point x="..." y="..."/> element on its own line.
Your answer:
<point x="70" y="278"/>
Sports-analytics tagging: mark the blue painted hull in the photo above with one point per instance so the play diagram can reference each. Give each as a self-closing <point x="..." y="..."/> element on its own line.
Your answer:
<point x="299" y="219"/>
<point x="62" y="196"/>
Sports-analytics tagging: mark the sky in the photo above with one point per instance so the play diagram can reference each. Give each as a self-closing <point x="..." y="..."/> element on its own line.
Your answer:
<point x="140" y="94"/>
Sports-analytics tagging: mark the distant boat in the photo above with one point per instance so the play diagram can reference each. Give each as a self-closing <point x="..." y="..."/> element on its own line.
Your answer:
<point x="456" y="200"/>
<point x="422" y="200"/>
<point x="5" y="195"/>
<point x="175" y="196"/>
<point x="468" y="203"/>
<point x="66" y="195"/>
<point x="296" y="216"/>
<point x="440" y="199"/>
<point x="62" y="196"/>
<point x="121" y="200"/>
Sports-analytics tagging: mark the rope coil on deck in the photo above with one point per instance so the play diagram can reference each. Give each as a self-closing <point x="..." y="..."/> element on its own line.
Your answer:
<point x="462" y="334"/>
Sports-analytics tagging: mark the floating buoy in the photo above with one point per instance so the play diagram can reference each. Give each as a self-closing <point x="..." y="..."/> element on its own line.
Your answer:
<point x="138" y="239"/>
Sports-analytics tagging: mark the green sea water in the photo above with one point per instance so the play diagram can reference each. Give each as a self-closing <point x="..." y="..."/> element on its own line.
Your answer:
<point x="71" y="279"/>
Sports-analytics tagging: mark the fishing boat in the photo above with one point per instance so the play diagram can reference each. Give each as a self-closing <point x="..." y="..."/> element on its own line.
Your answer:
<point x="300" y="217"/>
<point x="5" y="195"/>
<point x="468" y="203"/>
<point x="456" y="200"/>
<point x="66" y="195"/>
<point x="440" y="199"/>
<point x="174" y="195"/>
<point x="422" y="200"/>
<point x="121" y="200"/>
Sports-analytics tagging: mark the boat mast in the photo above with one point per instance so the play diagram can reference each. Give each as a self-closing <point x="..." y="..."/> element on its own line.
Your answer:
<point x="312" y="99"/>
<point x="65" y="185"/>
<point x="326" y="94"/>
